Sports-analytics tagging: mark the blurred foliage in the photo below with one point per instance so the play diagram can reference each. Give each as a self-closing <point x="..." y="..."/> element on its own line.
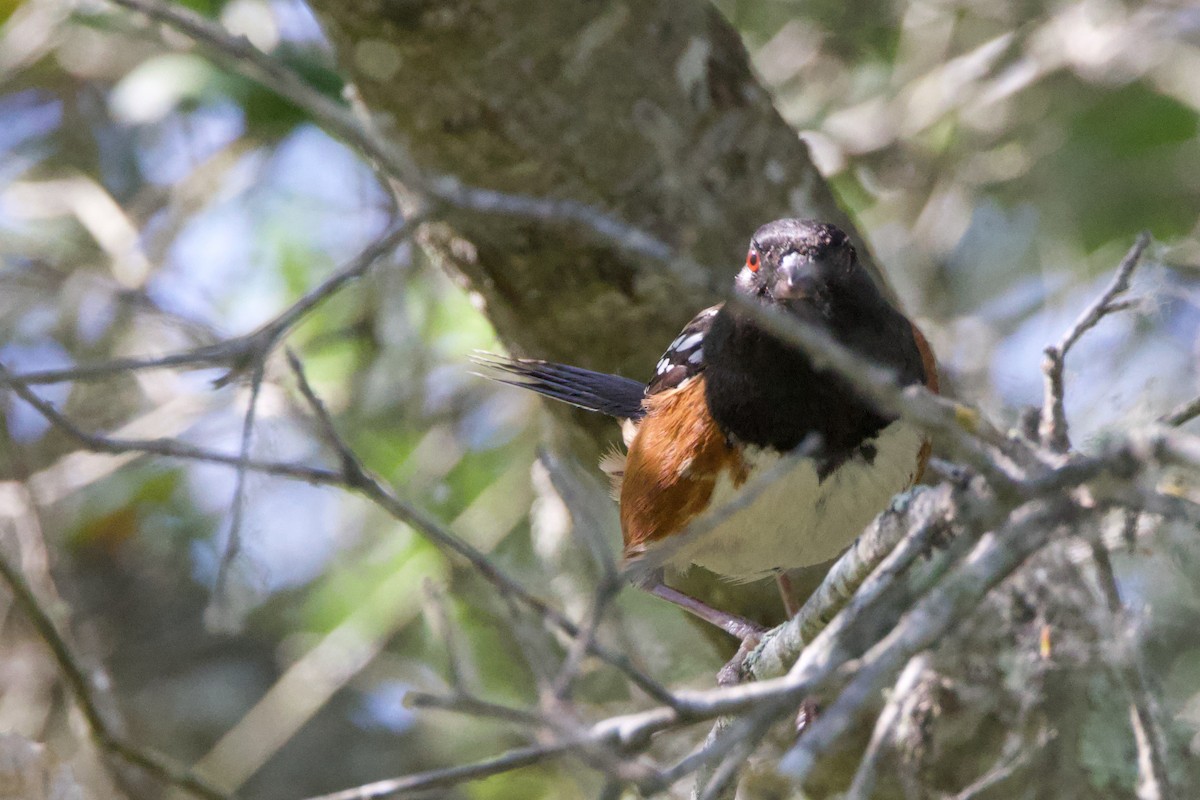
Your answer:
<point x="1001" y="156"/>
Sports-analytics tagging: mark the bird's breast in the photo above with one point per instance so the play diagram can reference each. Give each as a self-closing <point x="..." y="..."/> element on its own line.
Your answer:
<point x="789" y="517"/>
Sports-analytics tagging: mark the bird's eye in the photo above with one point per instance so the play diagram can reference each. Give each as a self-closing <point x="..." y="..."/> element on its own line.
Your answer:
<point x="752" y="261"/>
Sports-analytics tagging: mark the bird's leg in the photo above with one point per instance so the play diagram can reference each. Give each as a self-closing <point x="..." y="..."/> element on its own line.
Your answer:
<point x="787" y="593"/>
<point x="732" y="624"/>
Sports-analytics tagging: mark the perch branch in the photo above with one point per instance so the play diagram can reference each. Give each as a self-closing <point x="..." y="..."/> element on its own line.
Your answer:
<point x="1053" y="426"/>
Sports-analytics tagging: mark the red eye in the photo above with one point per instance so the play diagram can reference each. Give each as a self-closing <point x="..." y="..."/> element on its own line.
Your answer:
<point x="752" y="261"/>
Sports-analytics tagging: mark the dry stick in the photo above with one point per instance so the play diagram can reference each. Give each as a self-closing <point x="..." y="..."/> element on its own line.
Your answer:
<point x="158" y="765"/>
<point x="863" y="783"/>
<point x="1181" y="414"/>
<point x="718" y="760"/>
<point x="243" y="57"/>
<point x="997" y="555"/>
<point x="1153" y="775"/>
<point x="900" y="535"/>
<point x="606" y="590"/>
<point x="356" y="477"/>
<point x="452" y="776"/>
<point x="861" y="576"/>
<point x="168" y="448"/>
<point x="233" y="544"/>
<point x="1009" y="763"/>
<point x="437" y="616"/>
<point x="723" y="781"/>
<point x="473" y="706"/>
<point x="1053" y="426"/>
<point x="242" y="351"/>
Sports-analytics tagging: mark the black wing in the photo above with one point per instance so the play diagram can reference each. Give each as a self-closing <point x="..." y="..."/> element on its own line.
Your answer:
<point x="594" y="391"/>
<point x="685" y="357"/>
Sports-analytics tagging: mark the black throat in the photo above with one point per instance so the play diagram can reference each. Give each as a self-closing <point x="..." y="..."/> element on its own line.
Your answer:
<point x="763" y="392"/>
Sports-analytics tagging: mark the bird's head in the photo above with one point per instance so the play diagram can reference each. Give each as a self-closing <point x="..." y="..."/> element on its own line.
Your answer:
<point x="802" y="263"/>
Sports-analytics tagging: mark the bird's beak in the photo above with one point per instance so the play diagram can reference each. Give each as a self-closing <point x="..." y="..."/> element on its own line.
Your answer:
<point x="794" y="278"/>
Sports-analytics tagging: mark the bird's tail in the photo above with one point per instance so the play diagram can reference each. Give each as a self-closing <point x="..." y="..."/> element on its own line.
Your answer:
<point x="595" y="391"/>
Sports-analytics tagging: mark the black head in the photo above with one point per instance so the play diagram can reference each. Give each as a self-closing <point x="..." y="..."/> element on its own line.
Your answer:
<point x="764" y="392"/>
<point x="802" y="262"/>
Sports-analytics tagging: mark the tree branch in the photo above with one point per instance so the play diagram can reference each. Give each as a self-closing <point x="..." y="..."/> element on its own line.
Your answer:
<point x="161" y="767"/>
<point x="1053" y="427"/>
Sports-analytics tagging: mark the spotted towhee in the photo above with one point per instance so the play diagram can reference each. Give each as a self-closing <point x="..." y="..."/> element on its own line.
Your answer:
<point x="728" y="400"/>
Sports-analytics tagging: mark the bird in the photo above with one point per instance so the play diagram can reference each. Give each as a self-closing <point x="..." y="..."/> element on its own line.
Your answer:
<point x="729" y="401"/>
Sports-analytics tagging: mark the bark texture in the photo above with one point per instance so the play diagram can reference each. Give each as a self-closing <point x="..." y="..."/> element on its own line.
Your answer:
<point x="648" y="111"/>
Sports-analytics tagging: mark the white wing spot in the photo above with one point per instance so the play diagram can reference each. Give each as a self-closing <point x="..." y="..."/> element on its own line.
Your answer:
<point x="696" y="357"/>
<point x="690" y="341"/>
<point x="662" y="366"/>
<point x="675" y="344"/>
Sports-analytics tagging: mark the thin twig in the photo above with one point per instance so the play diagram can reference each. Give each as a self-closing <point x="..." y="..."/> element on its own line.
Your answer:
<point x="997" y="555"/>
<point x="437" y="616"/>
<point x="473" y="706"/>
<point x="356" y="477"/>
<point x="1181" y="414"/>
<point x="1053" y="427"/>
<point x="241" y="352"/>
<point x="863" y="783"/>
<point x="1153" y="775"/>
<point x="158" y="765"/>
<point x="167" y="448"/>
<point x="1009" y="763"/>
<point x="452" y="776"/>
<point x="606" y="591"/>
<point x="233" y="544"/>
<point x="861" y="577"/>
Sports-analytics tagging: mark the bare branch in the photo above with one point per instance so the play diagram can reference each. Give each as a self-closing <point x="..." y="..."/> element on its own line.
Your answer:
<point x="233" y="544"/>
<point x="437" y="616"/>
<point x="1053" y="427"/>
<point x="997" y="555"/>
<point x="356" y="477"/>
<point x="1153" y="774"/>
<point x="860" y="577"/>
<point x="865" y="776"/>
<point x="161" y="767"/>
<point x="1182" y="414"/>
<point x="1010" y="761"/>
<point x="452" y="776"/>
<point x="242" y="352"/>
<point x="167" y="448"/>
<point x="473" y="706"/>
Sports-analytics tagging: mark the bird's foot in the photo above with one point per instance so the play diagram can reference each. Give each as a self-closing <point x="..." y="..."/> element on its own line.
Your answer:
<point x="734" y="671"/>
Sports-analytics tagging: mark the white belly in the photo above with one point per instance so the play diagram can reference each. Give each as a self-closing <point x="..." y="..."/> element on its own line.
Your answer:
<point x="798" y="521"/>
